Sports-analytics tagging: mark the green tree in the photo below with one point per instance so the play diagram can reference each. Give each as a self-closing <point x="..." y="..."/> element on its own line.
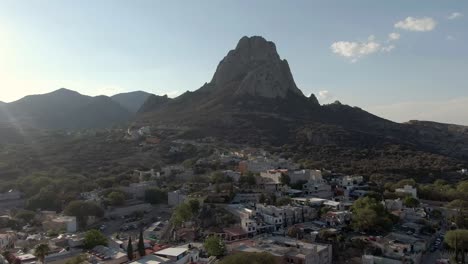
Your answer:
<point x="181" y="214"/>
<point x="249" y="257"/>
<point x="411" y="202"/>
<point x="262" y="198"/>
<point x="130" y="249"/>
<point x="25" y="215"/>
<point x="215" y="246"/>
<point x="155" y="196"/>
<point x="458" y="241"/>
<point x="94" y="238"/>
<point x="370" y="215"/>
<point x="283" y="201"/>
<point x="248" y="180"/>
<point x="41" y="251"/>
<point x="194" y="206"/>
<point x="285" y="179"/>
<point x="82" y="210"/>
<point x="141" y="244"/>
<point x="116" y="198"/>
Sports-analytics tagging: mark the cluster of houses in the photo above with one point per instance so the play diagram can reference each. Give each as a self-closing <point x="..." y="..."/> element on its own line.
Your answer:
<point x="312" y="202"/>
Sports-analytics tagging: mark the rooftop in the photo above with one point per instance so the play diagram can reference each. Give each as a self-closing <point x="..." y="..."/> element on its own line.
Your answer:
<point x="173" y="251"/>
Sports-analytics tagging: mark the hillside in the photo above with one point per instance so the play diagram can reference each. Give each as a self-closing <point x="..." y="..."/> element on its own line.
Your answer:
<point x="64" y="109"/>
<point x="132" y="101"/>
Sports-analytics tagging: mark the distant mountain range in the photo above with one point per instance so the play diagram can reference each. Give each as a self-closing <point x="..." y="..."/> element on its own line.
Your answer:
<point x="66" y="109"/>
<point x="253" y="99"/>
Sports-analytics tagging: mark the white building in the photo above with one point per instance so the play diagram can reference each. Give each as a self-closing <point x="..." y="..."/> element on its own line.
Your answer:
<point x="408" y="189"/>
<point x="318" y="187"/>
<point x="350" y="181"/>
<point x="179" y="255"/>
<point x="304" y="175"/>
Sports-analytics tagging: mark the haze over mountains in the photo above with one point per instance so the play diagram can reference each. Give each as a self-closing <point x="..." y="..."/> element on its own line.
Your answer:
<point x="252" y="98"/>
<point x="66" y="109"/>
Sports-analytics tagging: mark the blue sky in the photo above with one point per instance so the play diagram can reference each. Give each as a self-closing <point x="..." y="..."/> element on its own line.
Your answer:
<point x="336" y="49"/>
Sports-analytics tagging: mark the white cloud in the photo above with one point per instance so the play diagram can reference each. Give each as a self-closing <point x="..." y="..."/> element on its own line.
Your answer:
<point x="417" y="24"/>
<point x="454" y="15"/>
<point x="325" y="96"/>
<point x="445" y="111"/>
<point x="355" y="50"/>
<point x="388" y="48"/>
<point x="393" y="36"/>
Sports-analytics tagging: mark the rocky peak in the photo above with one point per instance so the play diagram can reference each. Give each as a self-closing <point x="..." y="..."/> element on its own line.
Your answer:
<point x="254" y="68"/>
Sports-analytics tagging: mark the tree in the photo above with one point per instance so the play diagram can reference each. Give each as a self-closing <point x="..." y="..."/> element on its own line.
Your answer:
<point x="283" y="201"/>
<point x="458" y="241"/>
<point x="155" y="196"/>
<point x="141" y="244"/>
<point x="78" y="260"/>
<point x="194" y="206"/>
<point x="370" y="215"/>
<point x="94" y="238"/>
<point x="262" y="198"/>
<point x="249" y="257"/>
<point x="411" y="202"/>
<point x="130" y="249"/>
<point x="294" y="232"/>
<point x="116" y="198"/>
<point x="285" y="179"/>
<point x="41" y="251"/>
<point x="248" y="179"/>
<point x="82" y="210"/>
<point x="182" y="213"/>
<point x="215" y="246"/>
<point x="25" y="215"/>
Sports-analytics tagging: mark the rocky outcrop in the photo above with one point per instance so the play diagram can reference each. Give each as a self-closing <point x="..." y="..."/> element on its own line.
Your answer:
<point x="254" y="68"/>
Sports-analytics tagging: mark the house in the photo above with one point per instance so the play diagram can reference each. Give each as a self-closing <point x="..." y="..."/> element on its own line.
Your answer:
<point x="318" y="187"/>
<point x="108" y="255"/>
<point x="235" y="233"/>
<point x="408" y="189"/>
<point x="273" y="175"/>
<point x="304" y="175"/>
<point x="246" y="198"/>
<point x="286" y="250"/>
<point x="285" y="215"/>
<point x="397" y="248"/>
<point x="393" y="204"/>
<point x="247" y="217"/>
<point x="7" y="240"/>
<point x="337" y="218"/>
<point x="179" y="255"/>
<point x="61" y="223"/>
<point x="137" y="190"/>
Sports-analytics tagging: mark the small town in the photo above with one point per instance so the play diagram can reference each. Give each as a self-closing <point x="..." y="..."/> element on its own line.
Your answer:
<point x="233" y="132"/>
<point x="229" y="205"/>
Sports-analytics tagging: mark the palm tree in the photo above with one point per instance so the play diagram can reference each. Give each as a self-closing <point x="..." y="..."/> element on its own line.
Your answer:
<point x="41" y="252"/>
